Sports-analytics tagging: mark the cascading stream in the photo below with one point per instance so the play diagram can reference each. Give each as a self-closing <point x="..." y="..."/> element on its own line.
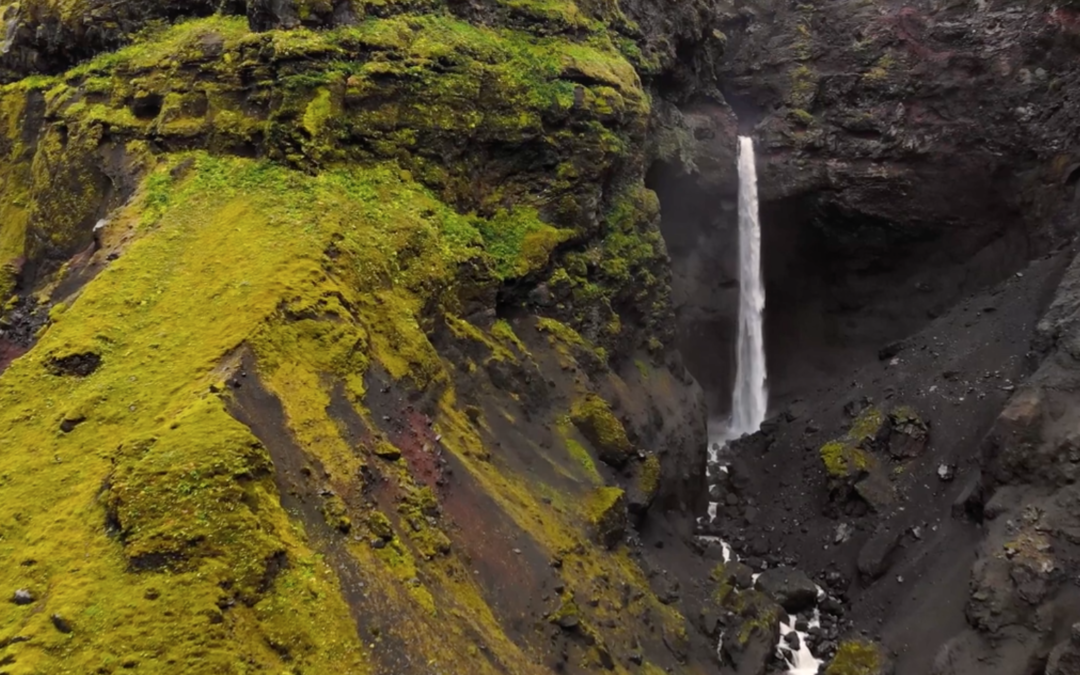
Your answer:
<point x="750" y="397"/>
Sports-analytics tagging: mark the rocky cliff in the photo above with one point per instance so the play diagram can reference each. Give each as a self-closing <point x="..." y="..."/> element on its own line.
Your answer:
<point x="918" y="170"/>
<point x="349" y="335"/>
<point x="339" y="339"/>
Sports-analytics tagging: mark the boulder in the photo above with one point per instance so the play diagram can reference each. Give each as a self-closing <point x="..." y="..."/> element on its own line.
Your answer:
<point x="750" y="639"/>
<point x="906" y="434"/>
<point x="1065" y="658"/>
<point x="792" y="589"/>
<point x="876" y="555"/>
<point x="607" y="515"/>
<point x="593" y="417"/>
<point x="860" y="657"/>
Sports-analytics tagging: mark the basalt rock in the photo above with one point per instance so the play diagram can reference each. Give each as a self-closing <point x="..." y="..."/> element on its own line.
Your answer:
<point x="792" y="589"/>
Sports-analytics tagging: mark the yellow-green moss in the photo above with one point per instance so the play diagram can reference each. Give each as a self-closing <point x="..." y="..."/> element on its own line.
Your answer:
<point x="592" y="416"/>
<point x="649" y="478"/>
<point x="502" y="330"/>
<point x="187" y="487"/>
<point x="322" y="274"/>
<point x="845" y="457"/>
<point x="856" y="657"/>
<point x="881" y="70"/>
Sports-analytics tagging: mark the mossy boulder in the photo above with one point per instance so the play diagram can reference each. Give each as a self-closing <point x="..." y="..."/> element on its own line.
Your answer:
<point x="644" y="485"/>
<point x="593" y="417"/>
<point x="856" y="462"/>
<point x="859" y="657"/>
<point x="607" y="515"/>
<point x="848" y="457"/>
<point x="752" y="631"/>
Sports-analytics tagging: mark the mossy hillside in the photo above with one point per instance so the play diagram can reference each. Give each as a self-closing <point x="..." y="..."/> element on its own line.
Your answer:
<point x="431" y="92"/>
<point x="622" y="276"/>
<point x="176" y="495"/>
<point x="57" y="33"/>
<point x="190" y="492"/>
<point x="186" y="488"/>
<point x="15" y="179"/>
<point x="322" y="273"/>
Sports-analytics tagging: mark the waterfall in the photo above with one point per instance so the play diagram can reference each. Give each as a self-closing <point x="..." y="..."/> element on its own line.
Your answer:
<point x="749" y="396"/>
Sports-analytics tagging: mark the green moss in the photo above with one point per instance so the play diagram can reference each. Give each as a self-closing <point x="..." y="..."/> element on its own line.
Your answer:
<point x="856" y="657"/>
<point x="502" y="330"/>
<point x="605" y="510"/>
<point x="846" y="457"/>
<point x="802" y="117"/>
<point x="649" y="478"/>
<point x="592" y="416"/>
<point x="881" y="70"/>
<point x="419" y="509"/>
<point x="380" y="525"/>
<point x="804" y="84"/>
<point x="186" y="486"/>
<point x="569" y="342"/>
<point x="519" y="242"/>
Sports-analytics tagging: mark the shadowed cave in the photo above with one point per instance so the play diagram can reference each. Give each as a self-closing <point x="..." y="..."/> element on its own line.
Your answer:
<point x="840" y="286"/>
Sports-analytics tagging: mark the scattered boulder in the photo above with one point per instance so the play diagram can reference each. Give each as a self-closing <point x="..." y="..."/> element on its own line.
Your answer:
<point x="732" y="575"/>
<point x="386" y="450"/>
<point x="68" y="424"/>
<point x="567" y="617"/>
<point x="22" y="597"/>
<point x="848" y="458"/>
<point x="750" y="640"/>
<point x="1065" y="658"/>
<point x="643" y="487"/>
<point x="875" y="557"/>
<point x="61" y="624"/>
<point x="607" y="515"/>
<point x="792" y="589"/>
<point x="593" y="417"/>
<point x="859" y="657"/>
<point x="906" y="435"/>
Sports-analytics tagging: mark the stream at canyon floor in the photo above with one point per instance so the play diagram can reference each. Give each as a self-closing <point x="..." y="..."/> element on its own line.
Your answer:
<point x="750" y="393"/>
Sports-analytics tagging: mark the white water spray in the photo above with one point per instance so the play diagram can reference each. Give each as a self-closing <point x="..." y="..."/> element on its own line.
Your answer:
<point x="749" y="399"/>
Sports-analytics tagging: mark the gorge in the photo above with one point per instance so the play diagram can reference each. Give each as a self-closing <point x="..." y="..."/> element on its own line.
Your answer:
<point x="429" y="336"/>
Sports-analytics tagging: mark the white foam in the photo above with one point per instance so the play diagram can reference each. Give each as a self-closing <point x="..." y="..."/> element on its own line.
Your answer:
<point x="801" y="661"/>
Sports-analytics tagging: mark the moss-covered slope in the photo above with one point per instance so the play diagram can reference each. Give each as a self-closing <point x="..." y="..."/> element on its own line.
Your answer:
<point x="324" y="307"/>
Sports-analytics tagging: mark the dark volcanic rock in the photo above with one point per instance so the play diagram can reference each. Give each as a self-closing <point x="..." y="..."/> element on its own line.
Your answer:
<point x="875" y="557"/>
<point x="1065" y="658"/>
<point x="907" y="434"/>
<point x="792" y="589"/>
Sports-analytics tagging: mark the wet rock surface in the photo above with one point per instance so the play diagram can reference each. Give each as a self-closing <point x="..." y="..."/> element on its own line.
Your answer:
<point x="792" y="589"/>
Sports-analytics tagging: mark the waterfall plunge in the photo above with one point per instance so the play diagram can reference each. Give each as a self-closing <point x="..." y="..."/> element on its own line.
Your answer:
<point x="750" y="397"/>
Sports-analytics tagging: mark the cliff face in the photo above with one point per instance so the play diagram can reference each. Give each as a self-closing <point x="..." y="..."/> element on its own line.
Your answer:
<point x="349" y="339"/>
<point x="918" y="168"/>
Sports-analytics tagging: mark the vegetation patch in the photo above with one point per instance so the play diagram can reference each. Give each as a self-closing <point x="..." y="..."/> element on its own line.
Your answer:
<point x="856" y="657"/>
<point x="592" y="416"/>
